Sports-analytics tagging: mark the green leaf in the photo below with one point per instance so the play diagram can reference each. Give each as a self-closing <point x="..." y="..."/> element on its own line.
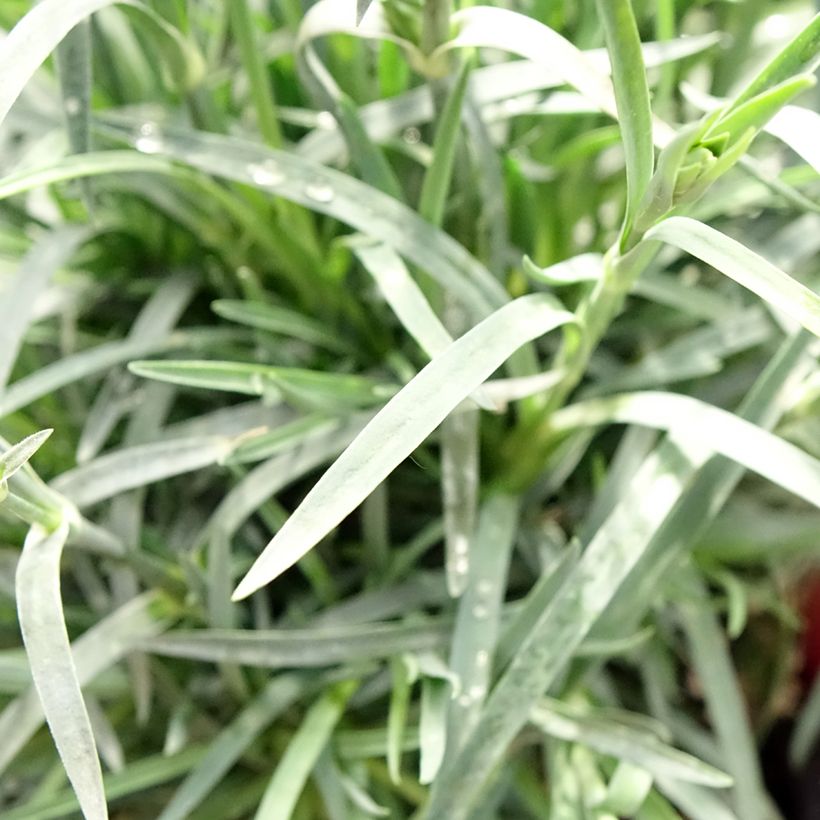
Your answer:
<point x="708" y="427"/>
<point x="96" y="650"/>
<point x="138" y="466"/>
<point x="479" y="613"/>
<point x="800" y="56"/>
<point x="229" y="745"/>
<point x="562" y="626"/>
<point x="799" y="128"/>
<point x="436" y="183"/>
<point x="400" y="427"/>
<point x="744" y="266"/>
<point x="632" y="97"/>
<point x="340" y="196"/>
<point x="18" y="455"/>
<point x="40" y="609"/>
<point x="302" y="648"/>
<point x="460" y="479"/>
<point x="403" y="674"/>
<point x="303" y="750"/>
<point x="38" y="266"/>
<point x="313" y="388"/>
<point x="608" y="735"/>
<point x="279" y="320"/>
<point x="724" y="702"/>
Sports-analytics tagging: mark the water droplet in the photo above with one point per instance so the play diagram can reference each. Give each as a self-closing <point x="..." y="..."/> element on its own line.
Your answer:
<point x="325" y="120"/>
<point x="266" y="173"/>
<point x="148" y="139"/>
<point x="465" y="700"/>
<point x="412" y="135"/>
<point x="482" y="658"/>
<point x="320" y="192"/>
<point x="477" y="692"/>
<point x="485" y="588"/>
<point x="461" y="566"/>
<point x="72" y="106"/>
<point x="480" y="612"/>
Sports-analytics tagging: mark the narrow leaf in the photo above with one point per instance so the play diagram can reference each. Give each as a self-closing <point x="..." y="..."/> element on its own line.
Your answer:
<point x="40" y="609"/>
<point x="744" y="266"/>
<point x="400" y="427"/>
<point x="632" y="98"/>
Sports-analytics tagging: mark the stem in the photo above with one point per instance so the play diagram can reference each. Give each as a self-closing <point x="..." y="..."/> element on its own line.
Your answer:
<point x="435" y="27"/>
<point x="261" y="89"/>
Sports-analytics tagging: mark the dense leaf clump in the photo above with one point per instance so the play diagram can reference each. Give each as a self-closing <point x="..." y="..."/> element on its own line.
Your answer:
<point x="408" y="410"/>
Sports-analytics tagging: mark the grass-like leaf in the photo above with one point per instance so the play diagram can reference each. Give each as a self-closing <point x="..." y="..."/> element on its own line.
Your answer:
<point x="416" y="411"/>
<point x="40" y="609"/>
<point x="610" y="736"/>
<point x="632" y="97"/>
<point x="744" y="266"/>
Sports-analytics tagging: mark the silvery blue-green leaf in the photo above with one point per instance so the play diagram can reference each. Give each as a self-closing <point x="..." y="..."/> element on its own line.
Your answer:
<point x="620" y="739"/>
<point x="278" y="320"/>
<point x="708" y="427"/>
<point x="403" y="674"/>
<point x="436" y="695"/>
<point x="404" y="296"/>
<point x="33" y="38"/>
<point x="632" y="98"/>
<point x="586" y="267"/>
<point x="338" y="195"/>
<point x="560" y="628"/>
<point x="157" y="319"/>
<point x="301" y="648"/>
<point x="96" y="650"/>
<point x="799" y="128"/>
<point x="723" y="696"/>
<point x="302" y="752"/>
<point x="40" y="609"/>
<point x="746" y="267"/>
<point x="627" y="790"/>
<point x="73" y="58"/>
<point x="139" y="776"/>
<point x="18" y="455"/>
<point x="86" y="363"/>
<point x="460" y="479"/>
<point x="403" y="424"/>
<point x="121" y="470"/>
<point x="310" y="387"/>
<point x="232" y="741"/>
<point x="696" y="802"/>
<point x="487" y="27"/>
<point x="478" y="618"/>
<point x="498" y="84"/>
<point x="36" y="268"/>
<point x="77" y="166"/>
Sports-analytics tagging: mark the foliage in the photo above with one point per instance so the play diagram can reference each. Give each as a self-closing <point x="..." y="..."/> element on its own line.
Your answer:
<point x="415" y="408"/>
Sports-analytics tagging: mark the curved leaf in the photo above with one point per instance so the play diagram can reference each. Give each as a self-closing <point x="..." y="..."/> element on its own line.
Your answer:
<point x="40" y="609"/>
<point x="403" y="424"/>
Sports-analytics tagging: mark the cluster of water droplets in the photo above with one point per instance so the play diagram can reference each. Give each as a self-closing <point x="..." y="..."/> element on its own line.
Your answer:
<point x="484" y="591"/>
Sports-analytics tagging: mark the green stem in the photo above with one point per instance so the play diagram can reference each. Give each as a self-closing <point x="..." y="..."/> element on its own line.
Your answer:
<point x="435" y="27"/>
<point x="261" y="88"/>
